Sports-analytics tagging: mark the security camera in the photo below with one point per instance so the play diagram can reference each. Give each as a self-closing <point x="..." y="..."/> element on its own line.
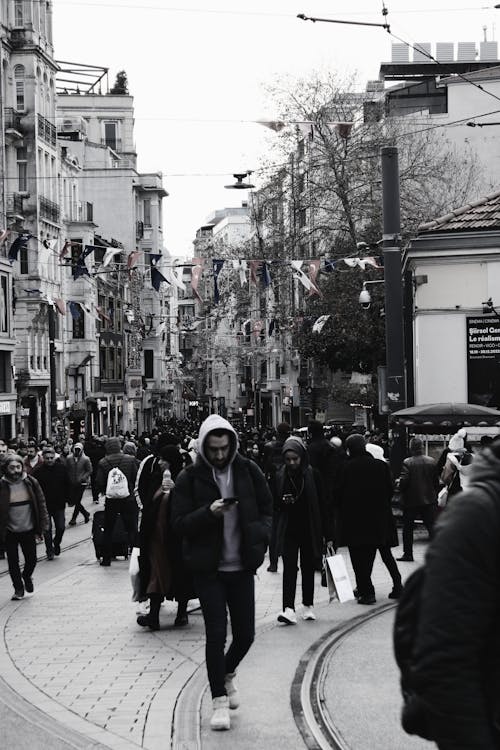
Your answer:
<point x="365" y="299"/>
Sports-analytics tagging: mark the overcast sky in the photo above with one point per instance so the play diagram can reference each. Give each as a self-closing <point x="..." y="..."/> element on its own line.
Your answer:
<point x="196" y="69"/>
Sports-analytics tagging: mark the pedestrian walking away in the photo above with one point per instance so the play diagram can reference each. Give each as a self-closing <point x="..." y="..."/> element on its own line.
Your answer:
<point x="162" y="570"/>
<point x="419" y="486"/>
<point x="222" y="508"/>
<point x="114" y="506"/>
<point x="79" y="468"/>
<point x="364" y="512"/>
<point x="302" y="527"/>
<point x="53" y="478"/>
<point x="273" y="460"/>
<point x="23" y="520"/>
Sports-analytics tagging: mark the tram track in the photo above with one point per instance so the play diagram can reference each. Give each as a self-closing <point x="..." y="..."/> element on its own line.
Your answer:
<point x="307" y="694"/>
<point x="41" y="558"/>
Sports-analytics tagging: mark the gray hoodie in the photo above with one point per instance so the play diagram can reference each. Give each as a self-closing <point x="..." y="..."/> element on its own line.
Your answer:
<point x="230" y="558"/>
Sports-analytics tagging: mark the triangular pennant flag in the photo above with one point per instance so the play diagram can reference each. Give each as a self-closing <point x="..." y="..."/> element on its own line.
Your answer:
<point x="300" y="275"/>
<point x="19" y="243"/>
<point x="101" y="314"/>
<point x="60" y="305"/>
<point x="174" y="276"/>
<point x="272" y="325"/>
<point x="351" y="262"/>
<point x="75" y="310"/>
<point x="110" y="254"/>
<point x="319" y="323"/>
<point x="254" y="267"/>
<point x="157" y="278"/>
<point x="132" y="259"/>
<point x="217" y="268"/>
<point x="4" y="233"/>
<point x="276" y="125"/>
<point x="313" y="274"/>
<point x="329" y="266"/>
<point x="196" y="272"/>
<point x="266" y="276"/>
<point x="65" y="249"/>
<point x="242" y="268"/>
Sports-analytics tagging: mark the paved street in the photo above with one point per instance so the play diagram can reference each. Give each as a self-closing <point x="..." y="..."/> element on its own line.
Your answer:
<point x="75" y="652"/>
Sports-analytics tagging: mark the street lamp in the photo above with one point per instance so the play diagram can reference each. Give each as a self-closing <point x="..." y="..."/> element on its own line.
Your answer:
<point x="240" y="184"/>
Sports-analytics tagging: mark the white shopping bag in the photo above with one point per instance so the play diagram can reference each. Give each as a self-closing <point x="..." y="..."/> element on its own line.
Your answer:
<point x="342" y="583"/>
<point x="133" y="569"/>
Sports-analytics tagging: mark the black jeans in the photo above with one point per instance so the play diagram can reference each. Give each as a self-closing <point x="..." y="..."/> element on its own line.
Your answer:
<point x="273" y="542"/>
<point x="362" y="558"/>
<point x="27" y="541"/>
<point x="428" y="515"/>
<point x="117" y="506"/>
<point x="76" y="499"/>
<point x="60" y="524"/>
<point x="219" y="593"/>
<point x="291" y="547"/>
<point x="391" y="564"/>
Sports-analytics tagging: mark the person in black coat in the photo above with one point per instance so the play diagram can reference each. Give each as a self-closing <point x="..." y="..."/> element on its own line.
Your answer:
<point x="54" y="479"/>
<point x="364" y="512"/>
<point x="161" y="569"/>
<point x="222" y="506"/>
<point x="298" y="496"/>
<point x="456" y="665"/>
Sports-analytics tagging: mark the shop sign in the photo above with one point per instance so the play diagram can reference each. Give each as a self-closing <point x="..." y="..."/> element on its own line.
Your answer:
<point x="8" y="407"/>
<point x="483" y="361"/>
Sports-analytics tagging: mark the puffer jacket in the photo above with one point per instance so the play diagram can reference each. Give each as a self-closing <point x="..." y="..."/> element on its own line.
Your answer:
<point x="202" y="532"/>
<point x="457" y="650"/>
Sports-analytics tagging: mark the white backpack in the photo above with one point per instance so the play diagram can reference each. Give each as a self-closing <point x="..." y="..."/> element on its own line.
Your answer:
<point x="117" y="485"/>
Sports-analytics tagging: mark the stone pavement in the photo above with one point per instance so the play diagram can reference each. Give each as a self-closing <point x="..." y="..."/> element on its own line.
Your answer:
<point x="74" y="663"/>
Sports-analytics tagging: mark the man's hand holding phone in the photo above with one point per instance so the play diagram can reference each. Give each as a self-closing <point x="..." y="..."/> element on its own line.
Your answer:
<point x="222" y="505"/>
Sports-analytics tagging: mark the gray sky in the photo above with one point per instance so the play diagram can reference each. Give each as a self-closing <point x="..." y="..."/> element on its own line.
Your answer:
<point x="196" y="69"/>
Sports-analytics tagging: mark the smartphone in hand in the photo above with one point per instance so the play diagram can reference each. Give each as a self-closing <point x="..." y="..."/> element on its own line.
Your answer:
<point x="229" y="500"/>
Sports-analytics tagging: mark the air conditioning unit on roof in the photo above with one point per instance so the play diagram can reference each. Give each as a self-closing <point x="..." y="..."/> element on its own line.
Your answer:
<point x="67" y="125"/>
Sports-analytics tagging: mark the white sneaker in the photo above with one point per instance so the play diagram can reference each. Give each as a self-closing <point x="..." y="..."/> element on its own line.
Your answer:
<point x="231" y="690"/>
<point x="308" y="614"/>
<point x="288" y="616"/>
<point x="220" y="718"/>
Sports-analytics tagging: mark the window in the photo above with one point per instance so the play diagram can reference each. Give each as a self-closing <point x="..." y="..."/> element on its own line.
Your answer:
<point x="147" y="212"/>
<point x="148" y="364"/>
<point x="79" y="325"/>
<point x="119" y="364"/>
<point x="18" y="13"/>
<point x="110" y="138"/>
<point x="22" y="170"/>
<point x="23" y="260"/>
<point x="4" y="371"/>
<point x="19" y="86"/>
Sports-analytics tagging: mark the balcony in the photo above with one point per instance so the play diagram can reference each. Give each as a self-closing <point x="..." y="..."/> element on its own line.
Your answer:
<point x="12" y="120"/>
<point x="49" y="210"/>
<point x="81" y="212"/>
<point x="114" y="143"/>
<point x="46" y="131"/>
<point x="14" y="205"/>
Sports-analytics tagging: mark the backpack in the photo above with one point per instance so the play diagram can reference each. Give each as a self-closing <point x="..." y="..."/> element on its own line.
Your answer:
<point x="117" y="485"/>
<point x="413" y="717"/>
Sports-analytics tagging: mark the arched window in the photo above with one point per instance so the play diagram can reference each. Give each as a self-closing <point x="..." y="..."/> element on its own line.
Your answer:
<point x="19" y="84"/>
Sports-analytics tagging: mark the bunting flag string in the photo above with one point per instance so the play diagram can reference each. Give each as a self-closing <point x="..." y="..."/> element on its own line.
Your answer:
<point x="320" y="323"/>
<point x="198" y="264"/>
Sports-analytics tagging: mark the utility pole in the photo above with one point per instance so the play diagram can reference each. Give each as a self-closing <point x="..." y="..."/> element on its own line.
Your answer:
<point x="52" y="367"/>
<point x="394" y="329"/>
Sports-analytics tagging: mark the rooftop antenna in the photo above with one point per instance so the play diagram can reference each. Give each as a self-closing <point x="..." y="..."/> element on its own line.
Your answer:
<point x="485" y="29"/>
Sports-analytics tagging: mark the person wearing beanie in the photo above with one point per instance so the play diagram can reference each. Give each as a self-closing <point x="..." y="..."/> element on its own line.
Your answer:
<point x="125" y="507"/>
<point x="222" y="507"/>
<point x="272" y="458"/>
<point x="364" y="496"/>
<point x="23" y="519"/>
<point x="419" y="487"/>
<point x="302" y="527"/>
<point x="458" y="465"/>
<point x="79" y="468"/>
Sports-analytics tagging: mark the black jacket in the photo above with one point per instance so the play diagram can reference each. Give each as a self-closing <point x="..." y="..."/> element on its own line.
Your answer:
<point x="364" y="502"/>
<point x="419" y="481"/>
<point x="457" y="649"/>
<point x="318" y="528"/>
<point x="202" y="533"/>
<point x="55" y="484"/>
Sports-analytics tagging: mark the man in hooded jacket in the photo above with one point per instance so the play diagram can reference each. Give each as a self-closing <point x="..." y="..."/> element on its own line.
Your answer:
<point x="79" y="468"/>
<point x="222" y="508"/>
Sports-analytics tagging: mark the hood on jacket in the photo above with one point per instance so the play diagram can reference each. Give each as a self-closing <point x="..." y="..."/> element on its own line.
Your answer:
<point x="216" y="422"/>
<point x="113" y="445"/>
<point x="78" y="445"/>
<point x="296" y="445"/>
<point x="129" y="448"/>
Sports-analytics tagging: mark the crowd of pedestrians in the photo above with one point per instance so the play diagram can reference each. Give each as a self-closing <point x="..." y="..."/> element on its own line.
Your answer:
<point x="204" y="503"/>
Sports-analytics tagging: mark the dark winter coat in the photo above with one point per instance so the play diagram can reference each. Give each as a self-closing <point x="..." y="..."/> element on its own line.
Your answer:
<point x="202" y="532"/>
<point x="149" y="482"/>
<point x="457" y="649"/>
<point x="127" y="464"/>
<point x="364" y="502"/>
<point x="419" y="481"/>
<point x="315" y="506"/>
<point x="55" y="484"/>
<point x="37" y="502"/>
